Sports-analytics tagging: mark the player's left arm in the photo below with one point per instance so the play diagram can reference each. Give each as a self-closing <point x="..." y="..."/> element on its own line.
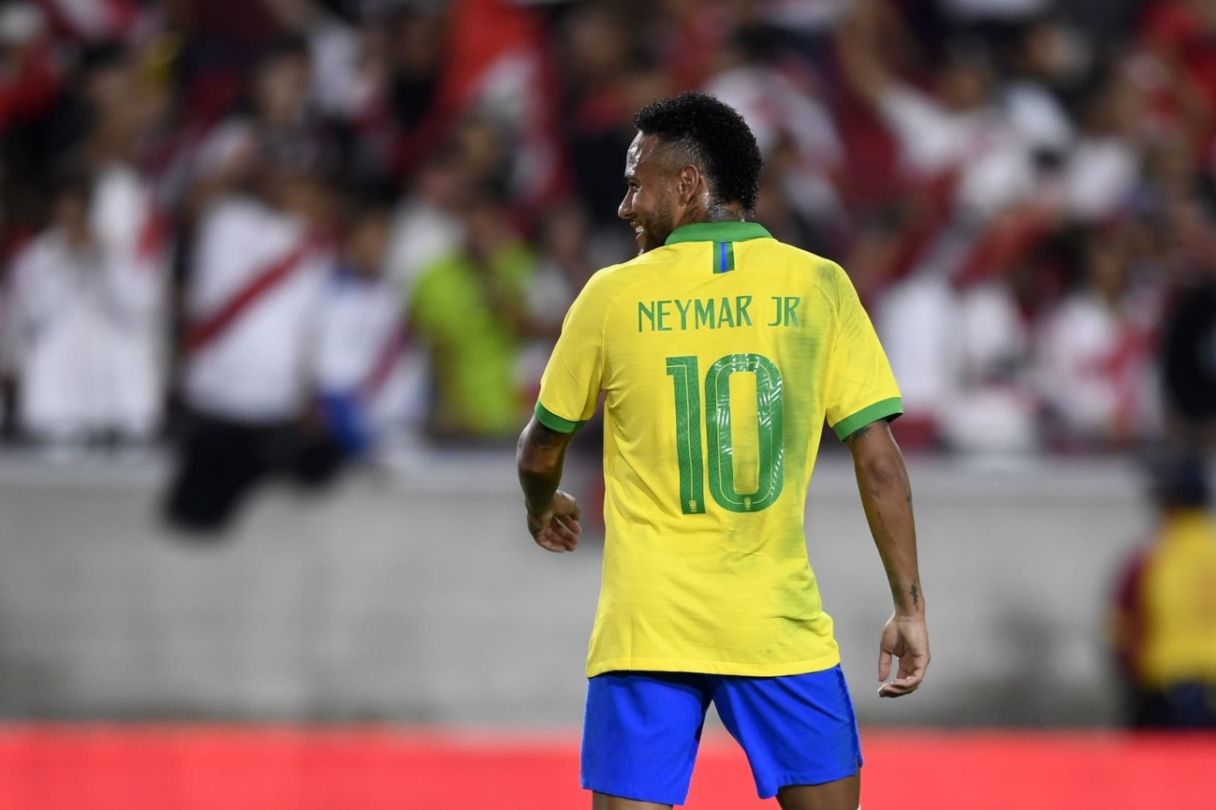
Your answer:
<point x="553" y="515"/>
<point x="886" y="496"/>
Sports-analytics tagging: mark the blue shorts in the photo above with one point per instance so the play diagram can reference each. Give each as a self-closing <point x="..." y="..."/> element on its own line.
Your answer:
<point x="641" y="730"/>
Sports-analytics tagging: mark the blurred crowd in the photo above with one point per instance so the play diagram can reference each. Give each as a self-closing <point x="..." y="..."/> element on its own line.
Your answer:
<point x="302" y="227"/>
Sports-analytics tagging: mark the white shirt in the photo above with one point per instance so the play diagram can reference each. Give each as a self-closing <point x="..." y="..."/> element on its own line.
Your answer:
<point x="82" y="364"/>
<point x="257" y="368"/>
<point x="361" y="320"/>
<point x="993" y="161"/>
<point x="1101" y="176"/>
<point x="1096" y="366"/>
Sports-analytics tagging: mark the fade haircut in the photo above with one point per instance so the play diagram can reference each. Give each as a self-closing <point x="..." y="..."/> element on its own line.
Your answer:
<point x="715" y="135"/>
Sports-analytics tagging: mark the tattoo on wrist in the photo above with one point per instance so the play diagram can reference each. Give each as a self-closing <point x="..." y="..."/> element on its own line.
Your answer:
<point x="915" y="595"/>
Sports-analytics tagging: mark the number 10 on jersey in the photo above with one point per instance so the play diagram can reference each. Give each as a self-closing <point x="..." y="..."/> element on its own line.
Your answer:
<point x="685" y="374"/>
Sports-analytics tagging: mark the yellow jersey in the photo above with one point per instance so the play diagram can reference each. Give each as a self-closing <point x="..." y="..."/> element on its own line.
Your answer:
<point x="719" y="354"/>
<point x="1179" y="604"/>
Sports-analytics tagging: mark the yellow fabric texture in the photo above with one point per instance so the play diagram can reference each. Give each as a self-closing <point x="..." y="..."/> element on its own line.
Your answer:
<point x="719" y="355"/>
<point x="1179" y="598"/>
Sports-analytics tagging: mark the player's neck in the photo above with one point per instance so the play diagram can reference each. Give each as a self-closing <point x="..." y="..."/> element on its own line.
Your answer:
<point x="715" y="212"/>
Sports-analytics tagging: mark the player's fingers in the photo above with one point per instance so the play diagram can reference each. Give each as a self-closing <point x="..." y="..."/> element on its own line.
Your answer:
<point x="905" y="684"/>
<point x="884" y="665"/>
<point x="895" y="689"/>
<point x="564" y="531"/>
<point x="568" y="532"/>
<point x="550" y="541"/>
<point x="910" y="676"/>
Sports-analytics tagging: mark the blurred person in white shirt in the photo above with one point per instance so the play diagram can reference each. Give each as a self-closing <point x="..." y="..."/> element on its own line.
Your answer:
<point x="361" y="344"/>
<point x="260" y="263"/>
<point x="84" y="322"/>
<point x="994" y="407"/>
<point x="1104" y="167"/>
<point x="958" y="148"/>
<point x="960" y="129"/>
<point x="1095" y="352"/>
<point x="279" y="114"/>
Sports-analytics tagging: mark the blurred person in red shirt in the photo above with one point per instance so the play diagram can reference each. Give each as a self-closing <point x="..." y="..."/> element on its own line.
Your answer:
<point x="1164" y="616"/>
<point x="29" y="77"/>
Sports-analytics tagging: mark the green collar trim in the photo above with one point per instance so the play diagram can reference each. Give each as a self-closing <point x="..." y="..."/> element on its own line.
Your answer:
<point x="718" y="232"/>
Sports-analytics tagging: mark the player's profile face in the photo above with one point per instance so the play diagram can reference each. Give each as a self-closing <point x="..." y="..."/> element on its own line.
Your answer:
<point x="649" y="194"/>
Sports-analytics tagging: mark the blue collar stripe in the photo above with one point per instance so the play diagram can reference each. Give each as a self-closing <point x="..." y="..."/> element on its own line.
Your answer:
<point x="725" y="258"/>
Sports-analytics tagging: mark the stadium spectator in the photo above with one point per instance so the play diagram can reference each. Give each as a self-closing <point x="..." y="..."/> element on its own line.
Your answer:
<point x="1048" y="65"/>
<point x="1104" y="164"/>
<point x="960" y="131"/>
<point x="361" y="340"/>
<point x="563" y="266"/>
<point x="279" y="117"/>
<point x="340" y="86"/>
<point x="85" y="321"/>
<point x="604" y="71"/>
<point x="993" y="407"/>
<point x="470" y="310"/>
<point x="1095" y="351"/>
<point x="428" y="223"/>
<point x="1164" y="617"/>
<point x="797" y="136"/>
<point x="259" y="268"/>
<point x="941" y="149"/>
<point x="1188" y="332"/>
<point x="29" y="80"/>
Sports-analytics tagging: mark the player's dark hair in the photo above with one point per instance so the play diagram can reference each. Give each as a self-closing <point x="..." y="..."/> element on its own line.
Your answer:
<point x="717" y="136"/>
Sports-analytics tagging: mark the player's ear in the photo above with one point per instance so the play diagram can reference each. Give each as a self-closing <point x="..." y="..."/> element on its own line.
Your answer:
<point x="689" y="184"/>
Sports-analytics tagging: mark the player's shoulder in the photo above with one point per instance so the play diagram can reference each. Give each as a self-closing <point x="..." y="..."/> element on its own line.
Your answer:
<point x="823" y="274"/>
<point x="610" y="282"/>
<point x="821" y="266"/>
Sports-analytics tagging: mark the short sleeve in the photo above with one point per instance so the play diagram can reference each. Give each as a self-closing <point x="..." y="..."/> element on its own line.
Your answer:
<point x="570" y="387"/>
<point x="861" y="388"/>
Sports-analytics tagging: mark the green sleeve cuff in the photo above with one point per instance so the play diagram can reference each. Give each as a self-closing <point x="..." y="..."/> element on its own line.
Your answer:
<point x="883" y="409"/>
<point x="554" y="422"/>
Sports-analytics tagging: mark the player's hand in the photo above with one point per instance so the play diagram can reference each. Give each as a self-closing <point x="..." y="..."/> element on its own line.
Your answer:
<point x="905" y="638"/>
<point x="557" y="528"/>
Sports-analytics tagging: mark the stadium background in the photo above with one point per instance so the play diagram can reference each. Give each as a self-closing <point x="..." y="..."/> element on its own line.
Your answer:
<point x="1021" y="190"/>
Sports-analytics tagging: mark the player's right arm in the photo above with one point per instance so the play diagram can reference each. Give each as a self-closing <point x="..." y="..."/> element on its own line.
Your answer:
<point x="569" y="392"/>
<point x="886" y="495"/>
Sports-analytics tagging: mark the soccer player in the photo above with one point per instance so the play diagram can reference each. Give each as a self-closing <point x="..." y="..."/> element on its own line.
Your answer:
<point x="720" y="352"/>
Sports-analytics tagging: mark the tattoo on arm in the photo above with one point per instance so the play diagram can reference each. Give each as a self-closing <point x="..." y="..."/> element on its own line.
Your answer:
<point x="548" y="439"/>
<point x="915" y="595"/>
<point x="539" y="458"/>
